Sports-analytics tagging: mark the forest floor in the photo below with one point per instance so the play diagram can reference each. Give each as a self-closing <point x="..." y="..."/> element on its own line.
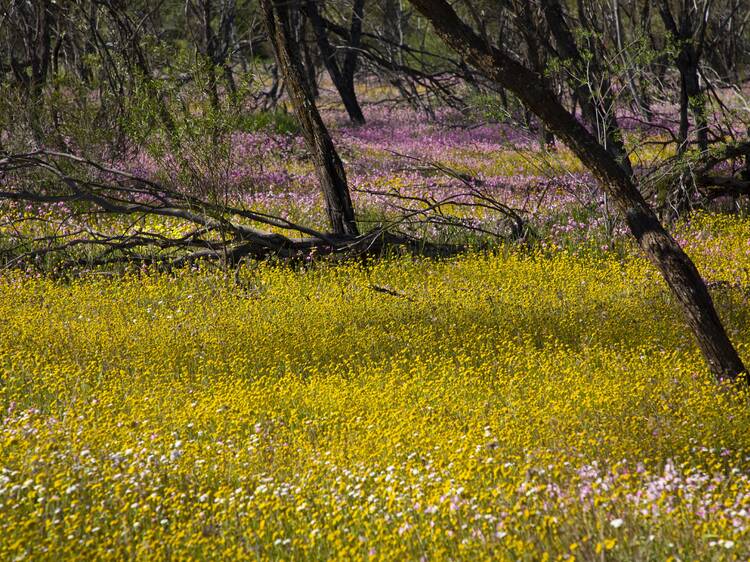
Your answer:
<point x="537" y="400"/>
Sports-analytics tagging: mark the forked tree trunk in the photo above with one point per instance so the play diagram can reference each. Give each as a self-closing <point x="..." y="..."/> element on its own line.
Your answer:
<point x="686" y="35"/>
<point x="342" y="76"/>
<point x="676" y="267"/>
<point x="328" y="165"/>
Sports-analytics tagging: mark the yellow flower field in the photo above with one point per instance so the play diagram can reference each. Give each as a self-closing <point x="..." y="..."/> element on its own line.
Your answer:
<point x="519" y="406"/>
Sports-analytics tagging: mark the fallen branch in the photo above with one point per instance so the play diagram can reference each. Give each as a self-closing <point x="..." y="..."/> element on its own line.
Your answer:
<point x="81" y="192"/>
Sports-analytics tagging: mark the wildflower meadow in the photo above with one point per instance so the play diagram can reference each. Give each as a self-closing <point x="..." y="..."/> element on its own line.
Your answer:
<point x="377" y="280"/>
<point x="509" y="406"/>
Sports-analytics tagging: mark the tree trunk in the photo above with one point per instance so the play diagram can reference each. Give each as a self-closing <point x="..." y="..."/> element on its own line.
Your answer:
<point x="639" y="103"/>
<point x="328" y="165"/>
<point x="536" y="56"/>
<point x="692" y="98"/>
<point x="307" y="61"/>
<point x="687" y="61"/>
<point x="32" y="31"/>
<point x="676" y="267"/>
<point x="595" y="106"/>
<point x="343" y="79"/>
<point x="351" y="57"/>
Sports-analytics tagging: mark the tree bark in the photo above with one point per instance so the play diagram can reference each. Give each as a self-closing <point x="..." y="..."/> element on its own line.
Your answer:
<point x="328" y="165"/>
<point x="676" y="267"/>
<point x="691" y="97"/>
<point x="308" y="63"/>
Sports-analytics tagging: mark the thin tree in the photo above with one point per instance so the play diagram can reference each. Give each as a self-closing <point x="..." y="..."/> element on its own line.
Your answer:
<point x="689" y="33"/>
<point x="328" y="165"/>
<point x="342" y="75"/>
<point x="595" y="99"/>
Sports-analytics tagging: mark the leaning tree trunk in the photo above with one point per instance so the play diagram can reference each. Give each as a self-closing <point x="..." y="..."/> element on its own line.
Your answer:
<point x="676" y="267"/>
<point x="328" y="165"/>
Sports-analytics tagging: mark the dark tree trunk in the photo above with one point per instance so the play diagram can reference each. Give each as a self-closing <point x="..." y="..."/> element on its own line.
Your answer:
<point x="645" y="30"/>
<point x="141" y="63"/>
<point x="342" y="77"/>
<point x="676" y="267"/>
<point x="328" y="165"/>
<point x="351" y="57"/>
<point x="596" y="112"/>
<point x="688" y="58"/>
<point x="215" y="44"/>
<point x="33" y="34"/>
<point x="691" y="97"/>
<point x="210" y="48"/>
<point x="640" y="103"/>
<point x="536" y="56"/>
<point x="276" y="89"/>
<point x="308" y="62"/>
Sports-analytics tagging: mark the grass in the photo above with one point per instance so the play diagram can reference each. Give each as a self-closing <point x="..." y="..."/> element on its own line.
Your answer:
<point x="520" y="405"/>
